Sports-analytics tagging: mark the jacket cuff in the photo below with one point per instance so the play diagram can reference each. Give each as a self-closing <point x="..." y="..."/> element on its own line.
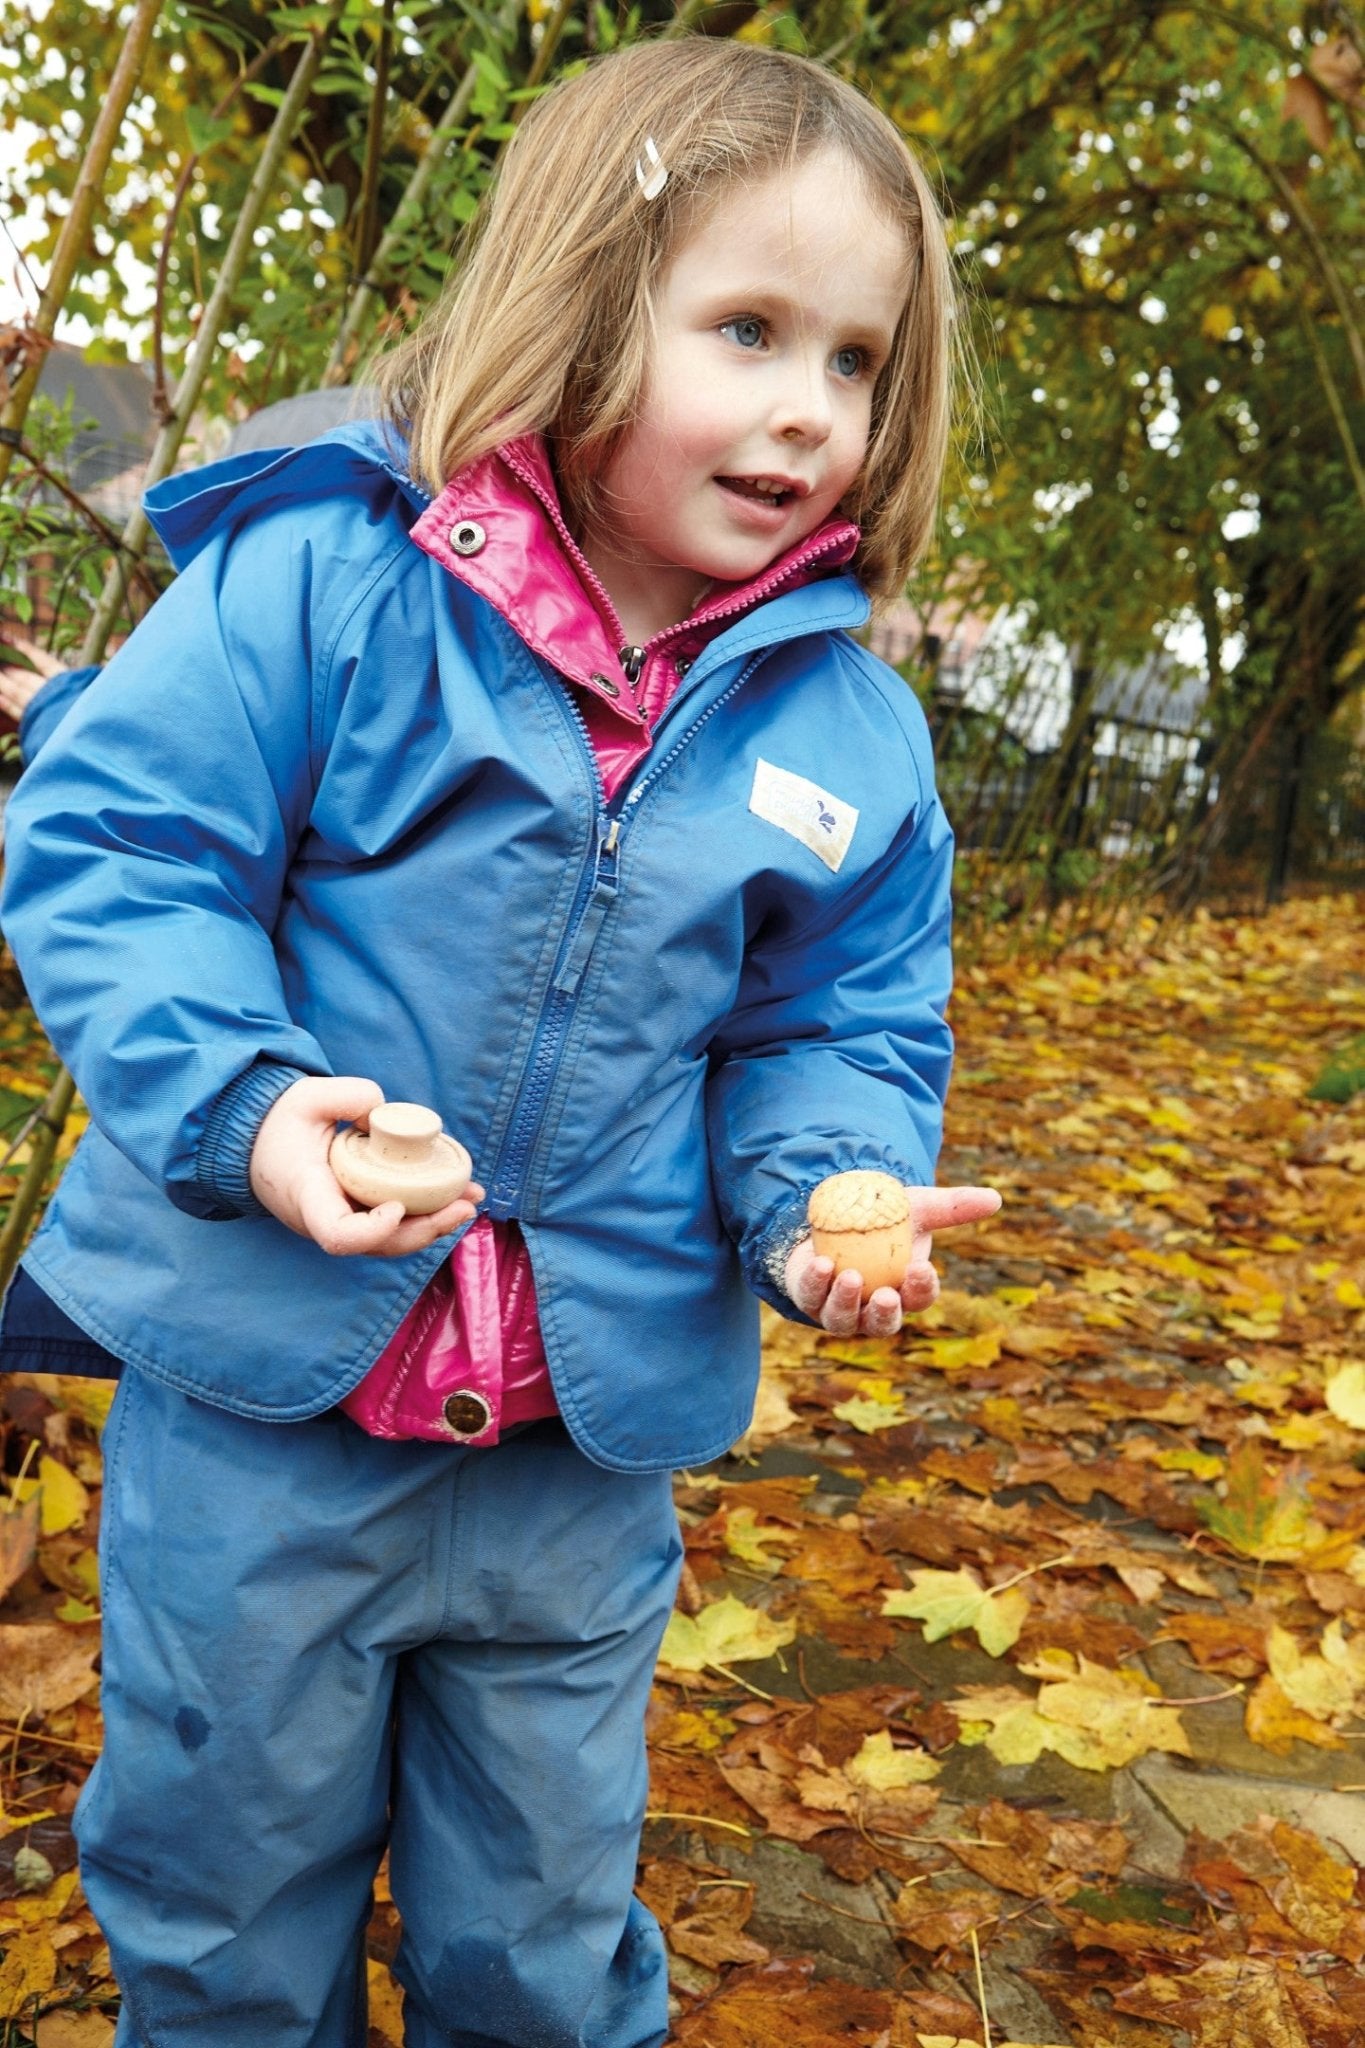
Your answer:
<point x="223" y="1167"/>
<point x="788" y="1228"/>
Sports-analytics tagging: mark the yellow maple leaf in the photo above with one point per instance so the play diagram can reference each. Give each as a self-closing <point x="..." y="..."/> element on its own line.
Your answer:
<point x="65" y="1500"/>
<point x="953" y="1353"/>
<point x="726" y="1632"/>
<point x="28" y="1971"/>
<point x="1201" y="1463"/>
<point x="883" y="1768"/>
<point x="949" y="1601"/>
<point x="1093" y="1718"/>
<point x="1346" y="1395"/>
<point x="1329" y="1687"/>
<point x="386" y="2003"/>
<point x="876" y="1405"/>
<point x="751" y="1540"/>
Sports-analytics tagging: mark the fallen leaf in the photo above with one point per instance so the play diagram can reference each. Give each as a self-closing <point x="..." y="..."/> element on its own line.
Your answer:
<point x="76" y="2030"/>
<point x="1277" y="1724"/>
<point x="18" y="1540"/>
<point x="727" y="1632"/>
<point x="43" y="1665"/>
<point x="1262" y="1514"/>
<point x="28" y="1970"/>
<point x="1345" y="1393"/>
<point x="883" y="1768"/>
<point x="947" y="1602"/>
<point x="386" y="2003"/>
<point x="1329" y="1687"/>
<point x="1097" y="1719"/>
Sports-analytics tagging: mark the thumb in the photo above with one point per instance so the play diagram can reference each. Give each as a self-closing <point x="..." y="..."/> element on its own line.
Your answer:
<point x="337" y="1098"/>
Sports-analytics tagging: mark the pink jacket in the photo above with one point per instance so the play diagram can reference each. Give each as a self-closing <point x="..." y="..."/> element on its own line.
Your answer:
<point x="467" y="1363"/>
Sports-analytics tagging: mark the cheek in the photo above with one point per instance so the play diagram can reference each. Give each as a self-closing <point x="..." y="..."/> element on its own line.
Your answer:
<point x="852" y="449"/>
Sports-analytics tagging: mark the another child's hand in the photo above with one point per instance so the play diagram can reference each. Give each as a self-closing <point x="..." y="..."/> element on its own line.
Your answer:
<point x="836" y="1304"/>
<point x="18" y="684"/>
<point x="291" y="1176"/>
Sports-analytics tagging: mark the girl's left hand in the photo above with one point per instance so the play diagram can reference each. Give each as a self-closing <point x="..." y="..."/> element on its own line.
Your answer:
<point x="837" y="1305"/>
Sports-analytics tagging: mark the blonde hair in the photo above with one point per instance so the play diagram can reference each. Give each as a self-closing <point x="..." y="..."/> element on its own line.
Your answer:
<point x="546" y="325"/>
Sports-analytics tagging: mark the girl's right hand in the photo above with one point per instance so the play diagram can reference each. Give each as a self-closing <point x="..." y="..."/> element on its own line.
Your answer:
<point x="291" y="1176"/>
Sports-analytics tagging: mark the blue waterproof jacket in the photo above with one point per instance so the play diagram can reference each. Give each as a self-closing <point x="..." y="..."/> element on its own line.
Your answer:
<point x="326" y="813"/>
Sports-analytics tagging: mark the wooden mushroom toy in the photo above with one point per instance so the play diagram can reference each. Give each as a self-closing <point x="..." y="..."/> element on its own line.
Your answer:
<point x="404" y="1156"/>
<point x="862" y="1222"/>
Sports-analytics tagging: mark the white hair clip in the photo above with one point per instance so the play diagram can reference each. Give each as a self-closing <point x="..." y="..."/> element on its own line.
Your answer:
<point x="653" y="180"/>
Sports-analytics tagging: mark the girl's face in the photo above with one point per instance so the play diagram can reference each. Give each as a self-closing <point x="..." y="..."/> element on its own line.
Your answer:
<point x="772" y="322"/>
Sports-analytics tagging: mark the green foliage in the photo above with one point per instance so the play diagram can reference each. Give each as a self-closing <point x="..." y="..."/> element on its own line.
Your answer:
<point x="1160" y="276"/>
<point x="1343" y="1076"/>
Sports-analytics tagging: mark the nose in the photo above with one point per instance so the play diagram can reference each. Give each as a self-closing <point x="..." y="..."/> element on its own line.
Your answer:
<point x="802" y="411"/>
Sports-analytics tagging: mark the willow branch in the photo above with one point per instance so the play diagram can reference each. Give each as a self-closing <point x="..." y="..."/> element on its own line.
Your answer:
<point x="182" y="185"/>
<point x="240" y="251"/>
<point x="405" y="213"/>
<point x="71" y="242"/>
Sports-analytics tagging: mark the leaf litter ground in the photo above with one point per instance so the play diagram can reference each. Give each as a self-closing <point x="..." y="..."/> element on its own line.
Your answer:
<point x="1015" y="1692"/>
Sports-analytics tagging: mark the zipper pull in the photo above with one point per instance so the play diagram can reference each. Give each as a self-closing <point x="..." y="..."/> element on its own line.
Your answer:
<point x="632" y="660"/>
<point x="566" y="982"/>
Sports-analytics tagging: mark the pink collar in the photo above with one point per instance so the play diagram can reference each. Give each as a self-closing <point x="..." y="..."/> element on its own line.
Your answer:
<point x="498" y="526"/>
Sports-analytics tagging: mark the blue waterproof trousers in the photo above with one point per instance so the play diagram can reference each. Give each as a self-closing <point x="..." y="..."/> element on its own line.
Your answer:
<point x="317" y="1643"/>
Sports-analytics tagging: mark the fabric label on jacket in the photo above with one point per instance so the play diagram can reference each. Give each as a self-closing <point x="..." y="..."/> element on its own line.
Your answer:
<point x="820" y="821"/>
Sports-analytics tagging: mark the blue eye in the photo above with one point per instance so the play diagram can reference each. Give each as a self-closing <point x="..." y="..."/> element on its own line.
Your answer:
<point x="747" y="331"/>
<point x="849" y="362"/>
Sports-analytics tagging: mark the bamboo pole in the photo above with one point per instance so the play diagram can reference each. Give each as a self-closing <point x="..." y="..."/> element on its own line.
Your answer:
<point x="58" y="1104"/>
<point x="75" y="230"/>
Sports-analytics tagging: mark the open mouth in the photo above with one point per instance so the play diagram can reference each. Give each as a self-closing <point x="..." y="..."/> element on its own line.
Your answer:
<point x="763" y="490"/>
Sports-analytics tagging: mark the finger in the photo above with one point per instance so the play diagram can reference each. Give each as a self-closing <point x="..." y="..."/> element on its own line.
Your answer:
<point x="811" y="1284"/>
<point x="844" y="1304"/>
<point x="415" y="1233"/>
<point x="337" y="1098"/>
<point x="919" y="1288"/>
<point x="14" y="638"/>
<point x="328" y="1218"/>
<point x="882" y="1313"/>
<point x="945" y="1208"/>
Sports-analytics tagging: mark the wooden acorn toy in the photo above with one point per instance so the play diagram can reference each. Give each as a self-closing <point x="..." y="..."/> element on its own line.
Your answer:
<point x="404" y="1157"/>
<point x="862" y="1221"/>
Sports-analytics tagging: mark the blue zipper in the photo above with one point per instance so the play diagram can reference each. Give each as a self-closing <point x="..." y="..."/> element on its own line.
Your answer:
<point x="637" y="794"/>
<point x="593" y="900"/>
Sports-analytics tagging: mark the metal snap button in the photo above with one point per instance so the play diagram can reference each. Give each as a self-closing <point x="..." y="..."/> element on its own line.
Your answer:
<point x="466" y="1412"/>
<point x="605" y="683"/>
<point x="468" y="537"/>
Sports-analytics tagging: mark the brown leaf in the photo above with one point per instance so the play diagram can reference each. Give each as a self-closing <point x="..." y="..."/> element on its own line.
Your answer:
<point x="1231" y="1643"/>
<point x="838" y="1559"/>
<point x="1225" y="2003"/>
<point x="776" y="2005"/>
<point x="1035" y="1853"/>
<point x="711" y="1931"/>
<point x="74" y="2030"/>
<point x="690" y="1783"/>
<point x="944" y="1920"/>
<point x="44" y="1665"/>
<point x="18" y="1539"/>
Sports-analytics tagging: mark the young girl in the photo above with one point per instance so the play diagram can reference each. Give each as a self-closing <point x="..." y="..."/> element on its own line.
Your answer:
<point x="511" y="758"/>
